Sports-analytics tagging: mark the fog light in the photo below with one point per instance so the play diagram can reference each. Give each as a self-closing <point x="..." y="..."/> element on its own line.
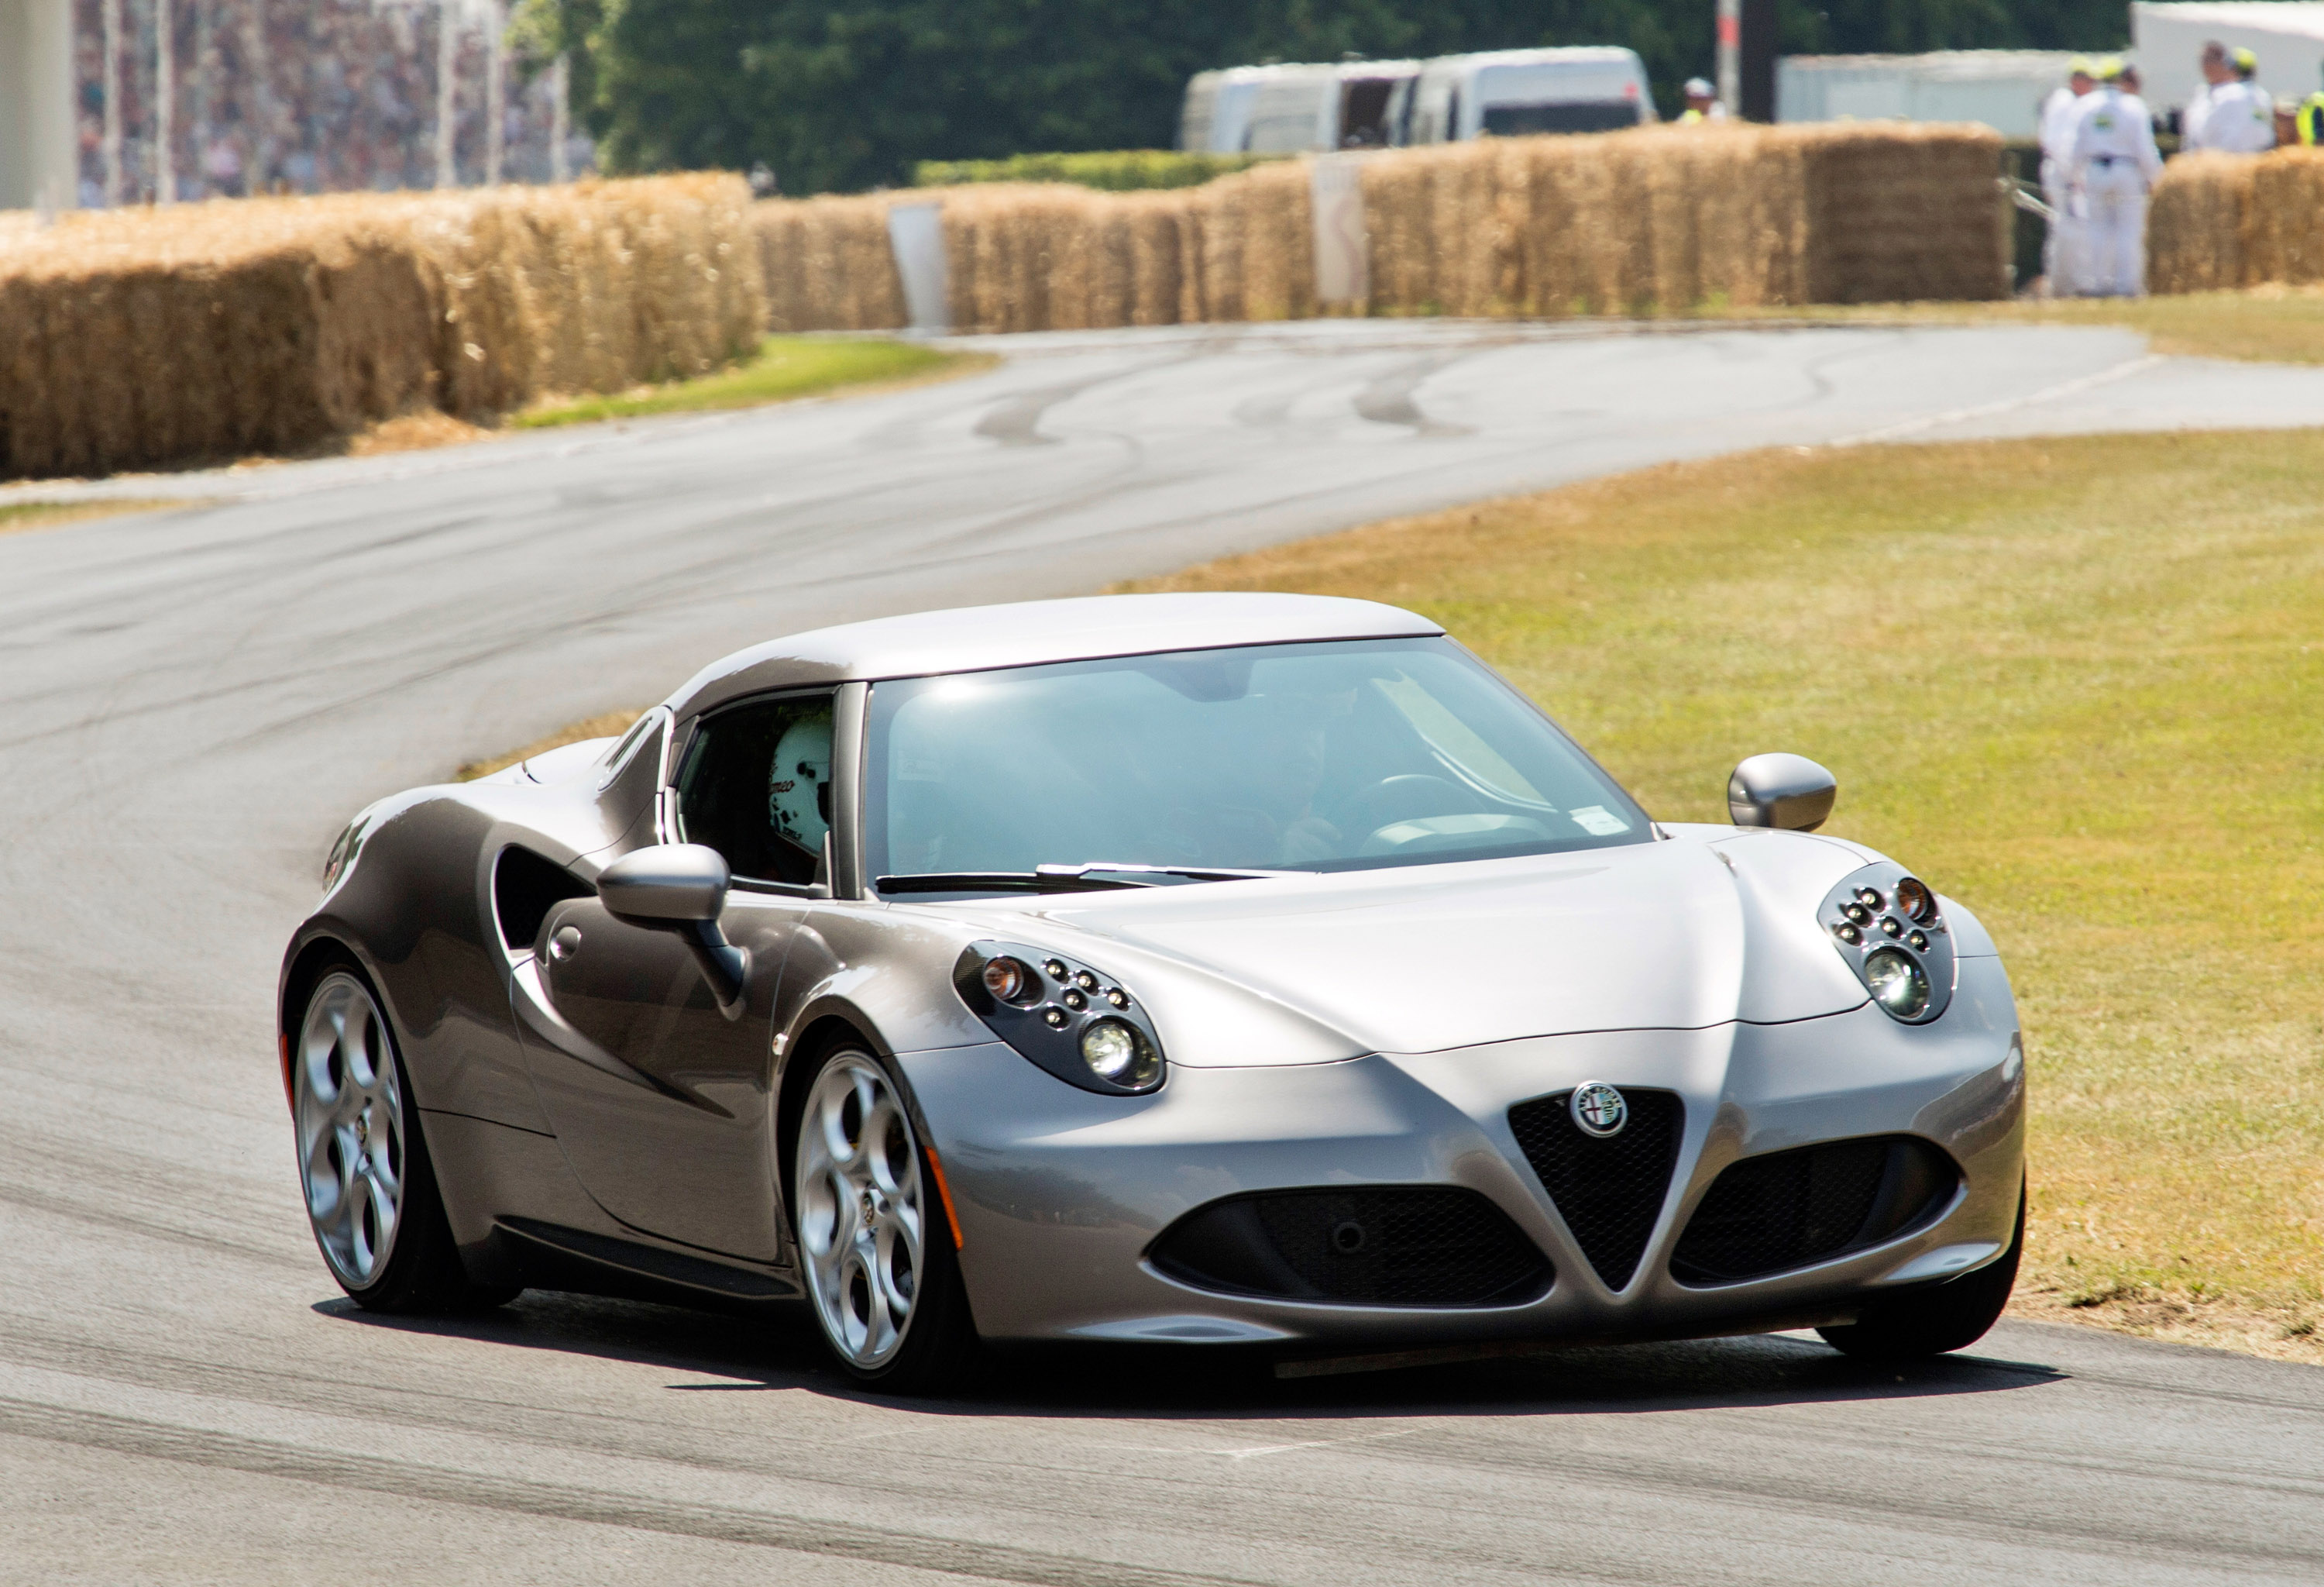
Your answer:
<point x="1898" y="984"/>
<point x="1115" y="1050"/>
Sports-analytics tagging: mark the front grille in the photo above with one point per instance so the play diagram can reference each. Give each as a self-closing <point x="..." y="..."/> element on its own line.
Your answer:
<point x="1789" y="1209"/>
<point x="1375" y="1245"/>
<point x="1609" y="1191"/>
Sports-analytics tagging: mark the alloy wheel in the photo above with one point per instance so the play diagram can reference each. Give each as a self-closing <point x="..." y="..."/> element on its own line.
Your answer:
<point x="349" y="1109"/>
<point x="861" y="1224"/>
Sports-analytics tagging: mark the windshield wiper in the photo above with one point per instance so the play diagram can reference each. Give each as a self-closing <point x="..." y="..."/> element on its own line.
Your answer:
<point x="1192" y="872"/>
<point x="1091" y="876"/>
<point x="1000" y="881"/>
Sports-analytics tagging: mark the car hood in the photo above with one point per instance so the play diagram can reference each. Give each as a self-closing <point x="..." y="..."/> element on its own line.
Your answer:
<point x="1712" y="926"/>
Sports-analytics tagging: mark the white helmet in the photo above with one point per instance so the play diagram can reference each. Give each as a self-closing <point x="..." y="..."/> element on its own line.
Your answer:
<point x="798" y="803"/>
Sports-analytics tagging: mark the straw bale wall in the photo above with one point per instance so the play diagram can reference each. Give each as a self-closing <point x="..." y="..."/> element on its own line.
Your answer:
<point x="1661" y="219"/>
<point x="141" y="338"/>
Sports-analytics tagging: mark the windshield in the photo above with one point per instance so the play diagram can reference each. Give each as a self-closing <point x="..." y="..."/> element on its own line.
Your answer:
<point x="1346" y="755"/>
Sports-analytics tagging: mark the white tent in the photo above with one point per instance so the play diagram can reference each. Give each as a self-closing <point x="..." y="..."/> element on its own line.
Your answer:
<point x="2287" y="35"/>
<point x="37" y="146"/>
<point x="2002" y="88"/>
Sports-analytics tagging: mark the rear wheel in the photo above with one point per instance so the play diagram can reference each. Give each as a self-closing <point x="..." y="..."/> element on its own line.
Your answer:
<point x="873" y="1238"/>
<point x="370" y="1190"/>
<point x="1922" y="1322"/>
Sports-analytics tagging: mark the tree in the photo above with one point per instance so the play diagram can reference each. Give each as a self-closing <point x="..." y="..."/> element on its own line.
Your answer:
<point x="844" y="94"/>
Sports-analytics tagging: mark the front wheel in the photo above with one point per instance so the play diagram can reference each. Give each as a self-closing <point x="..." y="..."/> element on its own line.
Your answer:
<point x="370" y="1190"/>
<point x="1918" y="1322"/>
<point x="874" y="1241"/>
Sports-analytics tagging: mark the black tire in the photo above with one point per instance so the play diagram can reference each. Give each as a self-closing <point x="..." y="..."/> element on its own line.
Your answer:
<point x="421" y="1273"/>
<point x="1928" y="1320"/>
<point x="935" y="1349"/>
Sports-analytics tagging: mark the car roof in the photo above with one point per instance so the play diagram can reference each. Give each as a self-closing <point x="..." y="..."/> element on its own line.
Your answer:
<point x="1027" y="633"/>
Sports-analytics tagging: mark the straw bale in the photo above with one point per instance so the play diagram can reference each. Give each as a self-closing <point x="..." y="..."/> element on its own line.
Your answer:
<point x="138" y="338"/>
<point x="2196" y="224"/>
<point x="2283" y="225"/>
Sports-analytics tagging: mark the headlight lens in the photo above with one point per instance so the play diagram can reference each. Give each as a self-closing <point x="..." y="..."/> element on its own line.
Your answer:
<point x="1116" y="1050"/>
<point x="1900" y="986"/>
<point x="1914" y="898"/>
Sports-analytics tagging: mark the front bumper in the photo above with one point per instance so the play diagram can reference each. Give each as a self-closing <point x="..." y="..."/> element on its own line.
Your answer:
<point x="1060" y="1192"/>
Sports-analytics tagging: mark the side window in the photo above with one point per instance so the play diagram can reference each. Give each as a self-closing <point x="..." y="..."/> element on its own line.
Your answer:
<point x="756" y="787"/>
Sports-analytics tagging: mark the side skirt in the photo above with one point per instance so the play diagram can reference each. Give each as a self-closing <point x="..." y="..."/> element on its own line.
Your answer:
<point x="549" y="1256"/>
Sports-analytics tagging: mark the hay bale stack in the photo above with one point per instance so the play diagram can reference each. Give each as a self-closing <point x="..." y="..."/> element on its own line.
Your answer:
<point x="2196" y="222"/>
<point x="1902" y="213"/>
<point x="2284" y="219"/>
<point x="139" y="339"/>
<point x="827" y="265"/>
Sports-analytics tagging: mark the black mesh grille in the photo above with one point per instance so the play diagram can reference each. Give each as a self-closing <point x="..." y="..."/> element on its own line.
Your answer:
<point x="1385" y="1245"/>
<point x="1789" y="1209"/>
<point x="1608" y="1190"/>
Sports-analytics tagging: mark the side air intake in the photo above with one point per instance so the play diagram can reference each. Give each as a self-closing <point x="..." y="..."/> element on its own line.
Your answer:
<point x="1792" y="1209"/>
<point x="1389" y="1245"/>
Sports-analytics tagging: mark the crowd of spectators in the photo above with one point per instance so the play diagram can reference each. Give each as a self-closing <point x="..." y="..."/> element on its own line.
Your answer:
<point x="303" y="96"/>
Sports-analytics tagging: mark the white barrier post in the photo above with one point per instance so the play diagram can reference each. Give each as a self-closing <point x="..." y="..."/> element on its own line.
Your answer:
<point x="1342" y="251"/>
<point x="916" y="232"/>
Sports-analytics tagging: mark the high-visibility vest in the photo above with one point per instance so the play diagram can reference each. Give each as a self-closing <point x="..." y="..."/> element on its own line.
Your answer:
<point x="2311" y="120"/>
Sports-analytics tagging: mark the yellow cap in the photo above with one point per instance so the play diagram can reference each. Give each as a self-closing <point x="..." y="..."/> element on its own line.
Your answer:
<point x="2244" y="60"/>
<point x="2110" y="69"/>
<point x="2081" y="67"/>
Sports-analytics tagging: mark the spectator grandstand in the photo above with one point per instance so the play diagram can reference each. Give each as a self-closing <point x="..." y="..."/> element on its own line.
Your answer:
<point x="303" y="96"/>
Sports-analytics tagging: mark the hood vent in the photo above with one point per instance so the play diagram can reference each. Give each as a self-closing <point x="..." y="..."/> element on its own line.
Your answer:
<point x="1608" y="1190"/>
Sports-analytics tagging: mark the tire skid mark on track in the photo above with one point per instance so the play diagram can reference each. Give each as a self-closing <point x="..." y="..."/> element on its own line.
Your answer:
<point x="1795" y="1491"/>
<point x="478" y="1491"/>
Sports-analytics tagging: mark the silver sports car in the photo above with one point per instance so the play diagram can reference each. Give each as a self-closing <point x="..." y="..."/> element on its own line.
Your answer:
<point x="1208" y="970"/>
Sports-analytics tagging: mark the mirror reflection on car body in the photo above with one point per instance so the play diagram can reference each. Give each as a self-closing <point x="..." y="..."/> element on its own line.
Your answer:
<point x="1190" y="970"/>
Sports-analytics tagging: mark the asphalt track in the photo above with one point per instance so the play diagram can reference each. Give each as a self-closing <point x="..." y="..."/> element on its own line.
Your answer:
<point x="190" y="702"/>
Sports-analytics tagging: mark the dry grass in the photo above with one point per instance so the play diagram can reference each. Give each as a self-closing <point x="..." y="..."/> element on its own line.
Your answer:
<point x="141" y="338"/>
<point x="23" y="515"/>
<point x="2079" y="683"/>
<point x="605" y="724"/>
<point x="2270" y="324"/>
<point x="1658" y="219"/>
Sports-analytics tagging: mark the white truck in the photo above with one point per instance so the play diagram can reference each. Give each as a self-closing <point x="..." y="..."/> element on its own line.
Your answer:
<point x="1376" y="104"/>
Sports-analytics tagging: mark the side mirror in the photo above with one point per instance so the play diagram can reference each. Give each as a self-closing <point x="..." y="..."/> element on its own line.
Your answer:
<point x="1789" y="791"/>
<point x="681" y="887"/>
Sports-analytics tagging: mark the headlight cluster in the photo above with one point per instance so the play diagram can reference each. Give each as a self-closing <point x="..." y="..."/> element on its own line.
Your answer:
<point x="1886" y="926"/>
<point x="1083" y="1026"/>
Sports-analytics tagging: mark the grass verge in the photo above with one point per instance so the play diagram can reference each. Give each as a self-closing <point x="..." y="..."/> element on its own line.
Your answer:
<point x="605" y="724"/>
<point x="2077" y="684"/>
<point x="787" y="368"/>
<point x="2267" y="325"/>
<point x="49" y="514"/>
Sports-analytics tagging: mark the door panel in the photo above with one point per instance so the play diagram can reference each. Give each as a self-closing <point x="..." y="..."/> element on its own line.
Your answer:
<point x="661" y="1101"/>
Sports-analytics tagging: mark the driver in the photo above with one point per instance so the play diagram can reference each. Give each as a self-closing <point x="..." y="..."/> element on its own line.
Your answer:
<point x="798" y="783"/>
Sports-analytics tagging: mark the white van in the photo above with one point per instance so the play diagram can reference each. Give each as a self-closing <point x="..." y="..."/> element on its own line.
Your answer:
<point x="1509" y="93"/>
<point x="1292" y="109"/>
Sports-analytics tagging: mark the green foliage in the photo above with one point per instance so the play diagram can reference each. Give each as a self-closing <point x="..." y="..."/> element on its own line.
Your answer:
<point x="1116" y="171"/>
<point x="844" y="93"/>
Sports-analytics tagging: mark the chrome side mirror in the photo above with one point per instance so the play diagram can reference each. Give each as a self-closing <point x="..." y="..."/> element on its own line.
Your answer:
<point x="1789" y="791"/>
<point x="681" y="887"/>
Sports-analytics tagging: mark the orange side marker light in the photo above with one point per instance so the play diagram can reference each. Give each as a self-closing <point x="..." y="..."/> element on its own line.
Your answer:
<point x="943" y="1193"/>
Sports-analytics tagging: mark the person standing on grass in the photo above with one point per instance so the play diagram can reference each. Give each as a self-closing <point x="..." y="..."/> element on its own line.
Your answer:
<point x="2310" y="121"/>
<point x="2239" y="116"/>
<point x="2060" y="248"/>
<point x="1702" y="104"/>
<point x="2194" y="121"/>
<point x="2115" y="164"/>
